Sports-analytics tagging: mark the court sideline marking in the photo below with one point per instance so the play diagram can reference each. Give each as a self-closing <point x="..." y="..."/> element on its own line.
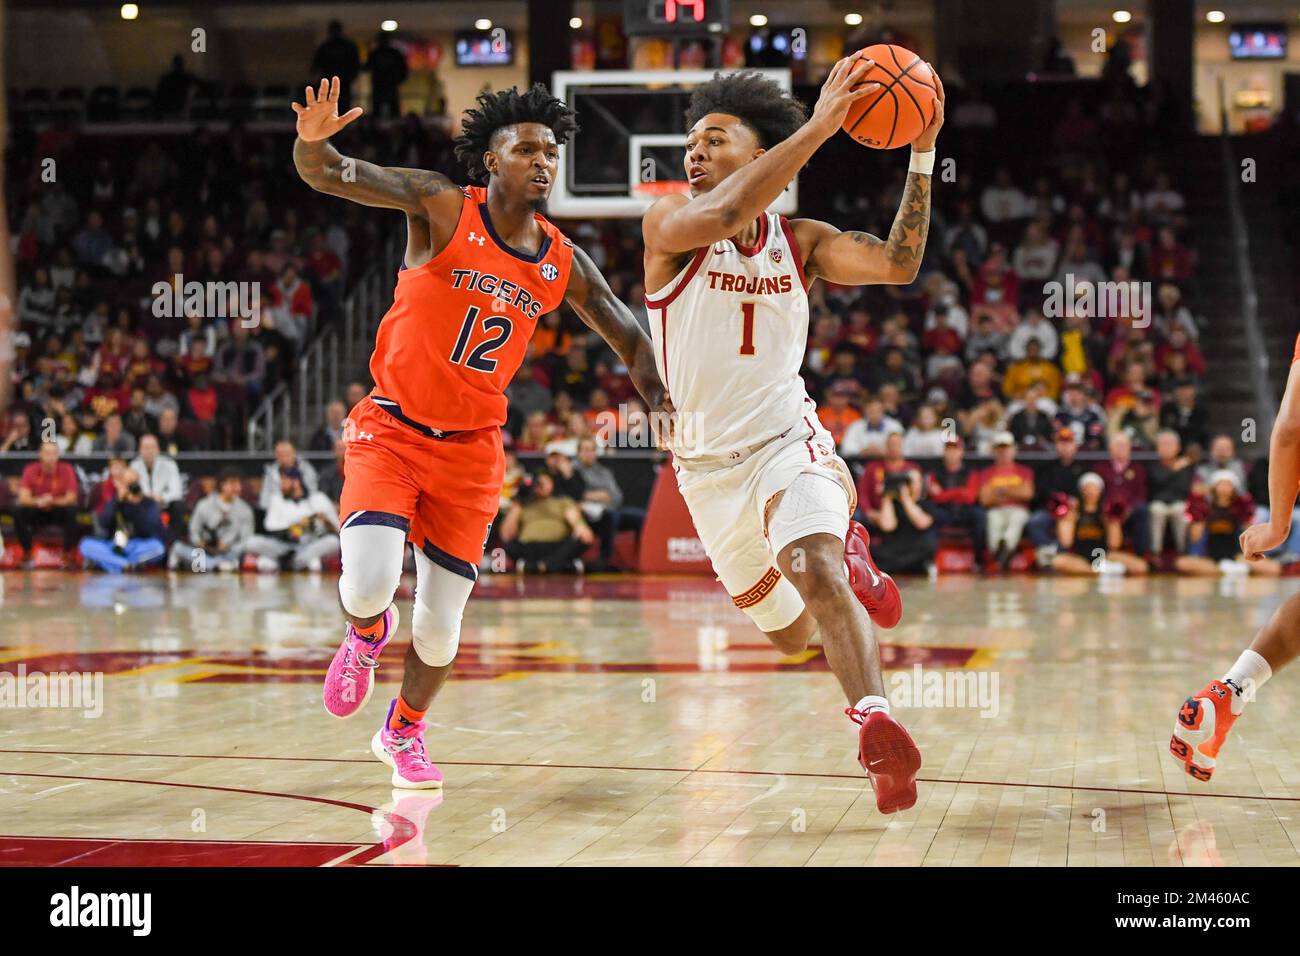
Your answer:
<point x="564" y="766"/>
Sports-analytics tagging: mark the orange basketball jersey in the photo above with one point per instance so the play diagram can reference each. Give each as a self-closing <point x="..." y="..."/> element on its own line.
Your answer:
<point x="459" y="325"/>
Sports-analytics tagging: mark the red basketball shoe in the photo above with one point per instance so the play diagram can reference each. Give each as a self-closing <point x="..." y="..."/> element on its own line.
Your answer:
<point x="889" y="755"/>
<point x="1202" y="727"/>
<point x="873" y="587"/>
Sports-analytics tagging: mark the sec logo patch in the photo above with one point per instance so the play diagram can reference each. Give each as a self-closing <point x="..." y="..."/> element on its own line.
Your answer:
<point x="549" y="271"/>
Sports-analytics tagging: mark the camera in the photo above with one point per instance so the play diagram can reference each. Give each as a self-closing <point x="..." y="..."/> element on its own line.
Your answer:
<point x="894" y="482"/>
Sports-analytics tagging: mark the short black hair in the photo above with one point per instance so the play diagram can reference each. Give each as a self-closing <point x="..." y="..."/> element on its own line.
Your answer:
<point x="772" y="114"/>
<point x="506" y="108"/>
<point x="229" y="473"/>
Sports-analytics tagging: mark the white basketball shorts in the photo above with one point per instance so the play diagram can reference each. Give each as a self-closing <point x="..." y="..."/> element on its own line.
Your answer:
<point x="731" y="506"/>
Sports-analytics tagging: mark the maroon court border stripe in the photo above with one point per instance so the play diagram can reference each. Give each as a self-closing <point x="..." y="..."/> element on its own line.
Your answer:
<point x="403" y="829"/>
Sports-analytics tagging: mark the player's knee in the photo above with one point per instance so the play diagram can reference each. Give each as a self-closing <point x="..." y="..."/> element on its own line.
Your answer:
<point x="435" y="637"/>
<point x="776" y="611"/>
<point x="372" y="568"/>
<point x="788" y="641"/>
<point x="367" y="592"/>
<point x="820" y="577"/>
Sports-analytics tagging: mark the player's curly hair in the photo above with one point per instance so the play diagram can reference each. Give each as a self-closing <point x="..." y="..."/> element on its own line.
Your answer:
<point x="506" y="108"/>
<point x="758" y="102"/>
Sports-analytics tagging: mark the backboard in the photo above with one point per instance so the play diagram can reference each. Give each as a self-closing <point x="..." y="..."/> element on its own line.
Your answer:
<point x="628" y="151"/>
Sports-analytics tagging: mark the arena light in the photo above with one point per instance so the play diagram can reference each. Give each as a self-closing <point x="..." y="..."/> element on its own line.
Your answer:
<point x="130" y="11"/>
<point x="575" y="23"/>
<point x="1121" y="16"/>
<point x="483" y="23"/>
<point x="758" y="20"/>
<point x="1216" y="16"/>
<point x="388" y="26"/>
<point x="853" y="19"/>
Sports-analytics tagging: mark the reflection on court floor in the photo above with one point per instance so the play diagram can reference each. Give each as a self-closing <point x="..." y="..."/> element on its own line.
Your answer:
<point x="165" y="720"/>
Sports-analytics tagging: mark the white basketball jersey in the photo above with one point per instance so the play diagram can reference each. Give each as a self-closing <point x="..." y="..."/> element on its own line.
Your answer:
<point x="729" y="335"/>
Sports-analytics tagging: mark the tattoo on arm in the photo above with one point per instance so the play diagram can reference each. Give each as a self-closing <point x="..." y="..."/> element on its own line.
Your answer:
<point x="325" y="169"/>
<point x="865" y="239"/>
<point x="906" y="242"/>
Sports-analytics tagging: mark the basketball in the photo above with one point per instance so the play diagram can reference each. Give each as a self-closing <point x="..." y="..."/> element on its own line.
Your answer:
<point x="903" y="109"/>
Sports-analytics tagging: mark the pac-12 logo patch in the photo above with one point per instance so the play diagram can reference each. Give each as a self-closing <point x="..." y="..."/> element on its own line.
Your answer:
<point x="549" y="271"/>
<point x="776" y="255"/>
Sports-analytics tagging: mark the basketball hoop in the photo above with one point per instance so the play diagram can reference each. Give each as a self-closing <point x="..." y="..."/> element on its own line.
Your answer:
<point x="629" y="150"/>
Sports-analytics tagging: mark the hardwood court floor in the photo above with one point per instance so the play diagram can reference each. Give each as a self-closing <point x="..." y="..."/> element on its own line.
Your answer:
<point x="636" y="721"/>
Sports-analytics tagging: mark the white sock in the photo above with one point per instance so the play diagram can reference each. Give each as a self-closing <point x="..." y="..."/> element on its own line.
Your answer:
<point x="1250" y="673"/>
<point x="870" y="703"/>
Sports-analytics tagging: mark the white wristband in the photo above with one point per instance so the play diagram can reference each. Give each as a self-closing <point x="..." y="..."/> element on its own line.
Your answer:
<point x="922" y="163"/>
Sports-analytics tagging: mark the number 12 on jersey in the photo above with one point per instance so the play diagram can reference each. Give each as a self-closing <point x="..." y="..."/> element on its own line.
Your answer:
<point x="478" y="359"/>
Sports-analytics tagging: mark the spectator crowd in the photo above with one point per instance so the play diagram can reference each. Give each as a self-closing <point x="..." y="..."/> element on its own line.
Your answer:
<point x="1089" y="421"/>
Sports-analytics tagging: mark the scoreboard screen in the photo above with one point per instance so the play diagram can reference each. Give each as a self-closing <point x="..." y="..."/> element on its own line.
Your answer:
<point x="675" y="17"/>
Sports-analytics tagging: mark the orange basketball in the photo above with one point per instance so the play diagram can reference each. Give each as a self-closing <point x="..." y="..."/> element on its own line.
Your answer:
<point x="902" y="110"/>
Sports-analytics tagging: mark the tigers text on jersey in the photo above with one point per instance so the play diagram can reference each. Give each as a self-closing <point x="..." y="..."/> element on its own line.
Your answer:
<point x="729" y="334"/>
<point x="460" y="324"/>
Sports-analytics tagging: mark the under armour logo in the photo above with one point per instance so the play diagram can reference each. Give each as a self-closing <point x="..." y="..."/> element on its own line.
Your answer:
<point x="365" y="436"/>
<point x="475" y="237"/>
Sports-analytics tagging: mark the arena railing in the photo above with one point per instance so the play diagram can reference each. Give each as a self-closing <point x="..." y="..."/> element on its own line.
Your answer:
<point x="1256" y="349"/>
<point x="336" y="356"/>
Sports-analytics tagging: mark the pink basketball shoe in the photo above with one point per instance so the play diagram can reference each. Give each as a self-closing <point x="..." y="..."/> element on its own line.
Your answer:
<point x="403" y="750"/>
<point x="351" y="677"/>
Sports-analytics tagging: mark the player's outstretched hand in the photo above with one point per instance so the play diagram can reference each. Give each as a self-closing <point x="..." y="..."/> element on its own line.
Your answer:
<point x="1259" y="539"/>
<point x="320" y="119"/>
<point x="840" y="91"/>
<point x="925" y="142"/>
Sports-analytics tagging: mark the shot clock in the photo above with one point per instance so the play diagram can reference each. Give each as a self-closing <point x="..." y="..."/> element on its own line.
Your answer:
<point x="666" y="18"/>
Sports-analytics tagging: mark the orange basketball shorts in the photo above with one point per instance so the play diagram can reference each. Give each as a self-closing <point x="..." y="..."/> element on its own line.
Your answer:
<point x="442" y="492"/>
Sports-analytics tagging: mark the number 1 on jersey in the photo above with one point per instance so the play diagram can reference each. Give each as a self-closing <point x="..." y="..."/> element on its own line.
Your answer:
<point x="747" y="328"/>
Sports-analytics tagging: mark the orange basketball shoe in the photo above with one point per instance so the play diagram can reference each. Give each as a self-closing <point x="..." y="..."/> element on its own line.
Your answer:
<point x="890" y="757"/>
<point x="873" y="587"/>
<point x="1202" y="727"/>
